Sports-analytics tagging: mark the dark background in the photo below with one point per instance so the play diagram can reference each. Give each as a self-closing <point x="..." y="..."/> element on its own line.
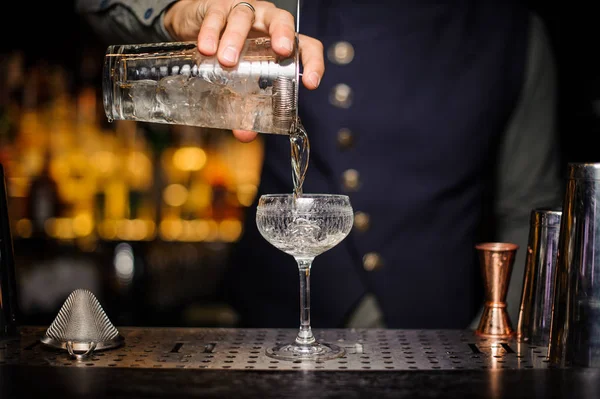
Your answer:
<point x="52" y="33"/>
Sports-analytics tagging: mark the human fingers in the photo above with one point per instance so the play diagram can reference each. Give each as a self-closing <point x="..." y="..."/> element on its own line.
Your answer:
<point x="279" y="24"/>
<point x="313" y="61"/>
<point x="238" y="25"/>
<point x="213" y="15"/>
<point x="245" y="136"/>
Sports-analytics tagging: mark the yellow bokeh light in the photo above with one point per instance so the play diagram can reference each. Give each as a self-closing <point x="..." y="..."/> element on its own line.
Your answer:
<point x="175" y="195"/>
<point x="139" y="167"/>
<point x="61" y="228"/>
<point x="33" y="161"/>
<point x="24" y="228"/>
<point x="230" y="230"/>
<point x="201" y="229"/>
<point x="104" y="162"/>
<point x="59" y="168"/>
<point x="189" y="158"/>
<point x="213" y="231"/>
<point x="171" y="230"/>
<point x="187" y="232"/>
<point x="83" y="224"/>
<point x="108" y="229"/>
<point x="200" y="195"/>
<point x="246" y="193"/>
<point x="78" y="161"/>
<point x="18" y="187"/>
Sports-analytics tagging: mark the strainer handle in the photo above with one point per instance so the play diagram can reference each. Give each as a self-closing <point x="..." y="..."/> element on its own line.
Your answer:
<point x="80" y="356"/>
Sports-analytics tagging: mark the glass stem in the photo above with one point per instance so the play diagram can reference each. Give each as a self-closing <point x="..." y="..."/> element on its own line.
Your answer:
<point x="305" y="335"/>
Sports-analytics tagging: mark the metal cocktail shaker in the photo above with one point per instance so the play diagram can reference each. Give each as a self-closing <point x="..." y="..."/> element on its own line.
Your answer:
<point x="8" y="283"/>
<point x="575" y="328"/>
<point x="535" y="313"/>
<point x="173" y="83"/>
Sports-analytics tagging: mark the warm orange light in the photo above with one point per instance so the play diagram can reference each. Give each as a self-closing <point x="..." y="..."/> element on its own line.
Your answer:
<point x="61" y="228"/>
<point x="171" y="229"/>
<point x="246" y="194"/>
<point x="230" y="230"/>
<point x="189" y="158"/>
<point x="175" y="195"/>
<point x="104" y="162"/>
<point x="139" y="167"/>
<point x="83" y="224"/>
<point x="24" y="228"/>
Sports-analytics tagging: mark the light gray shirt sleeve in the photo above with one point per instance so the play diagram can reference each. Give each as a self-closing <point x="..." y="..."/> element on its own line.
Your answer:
<point x="528" y="174"/>
<point x="126" y="21"/>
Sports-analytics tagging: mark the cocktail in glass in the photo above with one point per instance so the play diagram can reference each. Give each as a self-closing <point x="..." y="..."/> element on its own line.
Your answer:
<point x="304" y="227"/>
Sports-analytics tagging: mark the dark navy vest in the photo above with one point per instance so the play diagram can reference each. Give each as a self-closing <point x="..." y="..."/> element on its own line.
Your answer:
<point x="433" y="84"/>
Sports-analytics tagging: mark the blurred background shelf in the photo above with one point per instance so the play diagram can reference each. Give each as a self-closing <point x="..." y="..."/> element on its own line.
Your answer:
<point x="142" y="214"/>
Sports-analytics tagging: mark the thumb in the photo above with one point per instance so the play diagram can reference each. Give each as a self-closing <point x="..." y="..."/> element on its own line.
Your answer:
<point x="245" y="136"/>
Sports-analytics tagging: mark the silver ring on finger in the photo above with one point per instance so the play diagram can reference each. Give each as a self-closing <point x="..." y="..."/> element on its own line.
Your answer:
<point x="250" y="7"/>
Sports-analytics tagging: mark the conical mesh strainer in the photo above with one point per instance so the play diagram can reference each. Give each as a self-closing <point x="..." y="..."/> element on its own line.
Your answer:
<point x="81" y="326"/>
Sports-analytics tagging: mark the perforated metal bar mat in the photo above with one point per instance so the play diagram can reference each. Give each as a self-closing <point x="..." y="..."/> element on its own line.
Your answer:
<point x="244" y="349"/>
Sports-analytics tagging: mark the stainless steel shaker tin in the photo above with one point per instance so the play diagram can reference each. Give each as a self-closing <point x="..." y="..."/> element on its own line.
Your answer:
<point x="535" y="313"/>
<point x="575" y="327"/>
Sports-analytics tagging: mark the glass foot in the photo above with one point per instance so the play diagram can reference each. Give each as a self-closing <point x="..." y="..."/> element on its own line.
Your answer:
<point x="316" y="351"/>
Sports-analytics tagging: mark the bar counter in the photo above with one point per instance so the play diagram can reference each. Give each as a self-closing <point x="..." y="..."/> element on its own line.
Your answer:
<point x="231" y="363"/>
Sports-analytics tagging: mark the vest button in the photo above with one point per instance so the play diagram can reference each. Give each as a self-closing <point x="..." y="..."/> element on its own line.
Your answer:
<point x="350" y="180"/>
<point x="362" y="221"/>
<point x="341" y="96"/>
<point x="345" y="138"/>
<point x="341" y="53"/>
<point x="372" y="261"/>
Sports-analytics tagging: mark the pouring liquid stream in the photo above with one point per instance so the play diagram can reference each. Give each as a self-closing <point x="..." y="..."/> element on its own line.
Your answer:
<point x="300" y="151"/>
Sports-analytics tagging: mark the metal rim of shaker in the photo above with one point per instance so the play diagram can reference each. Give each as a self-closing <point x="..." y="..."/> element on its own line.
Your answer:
<point x="547" y="216"/>
<point x="584" y="171"/>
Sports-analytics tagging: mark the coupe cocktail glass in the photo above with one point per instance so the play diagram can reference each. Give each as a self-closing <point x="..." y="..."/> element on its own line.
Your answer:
<point x="304" y="227"/>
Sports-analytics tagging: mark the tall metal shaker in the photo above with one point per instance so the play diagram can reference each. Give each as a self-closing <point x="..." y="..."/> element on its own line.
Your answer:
<point x="535" y="313"/>
<point x="575" y="328"/>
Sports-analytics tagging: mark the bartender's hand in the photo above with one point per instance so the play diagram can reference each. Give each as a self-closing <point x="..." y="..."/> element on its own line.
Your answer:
<point x="221" y="28"/>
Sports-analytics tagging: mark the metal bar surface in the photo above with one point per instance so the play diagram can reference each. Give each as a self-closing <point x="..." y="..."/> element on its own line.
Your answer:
<point x="244" y="349"/>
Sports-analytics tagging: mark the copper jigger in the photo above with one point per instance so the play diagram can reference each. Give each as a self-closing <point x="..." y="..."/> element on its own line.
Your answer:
<point x="496" y="259"/>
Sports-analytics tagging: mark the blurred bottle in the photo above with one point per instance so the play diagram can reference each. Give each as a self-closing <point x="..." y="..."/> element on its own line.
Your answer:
<point x="43" y="201"/>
